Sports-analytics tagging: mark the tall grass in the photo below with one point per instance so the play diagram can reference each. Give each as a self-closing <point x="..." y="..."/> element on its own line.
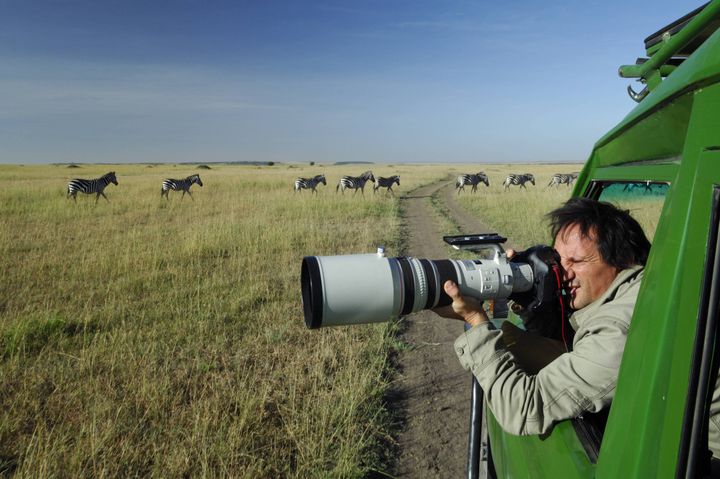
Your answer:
<point x="518" y="213"/>
<point x="145" y="337"/>
<point x="521" y="213"/>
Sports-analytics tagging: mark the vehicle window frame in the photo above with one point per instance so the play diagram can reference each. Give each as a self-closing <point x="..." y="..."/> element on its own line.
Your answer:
<point x="693" y="456"/>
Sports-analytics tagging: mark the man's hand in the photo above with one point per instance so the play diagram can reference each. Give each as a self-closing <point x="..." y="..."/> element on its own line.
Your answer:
<point x="467" y="309"/>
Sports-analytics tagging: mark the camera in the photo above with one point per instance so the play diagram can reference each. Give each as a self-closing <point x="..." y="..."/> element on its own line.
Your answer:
<point x="371" y="288"/>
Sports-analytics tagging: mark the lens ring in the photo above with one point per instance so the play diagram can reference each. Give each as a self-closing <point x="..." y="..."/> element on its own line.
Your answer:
<point x="408" y="286"/>
<point x="421" y="284"/>
<point x="312" y="294"/>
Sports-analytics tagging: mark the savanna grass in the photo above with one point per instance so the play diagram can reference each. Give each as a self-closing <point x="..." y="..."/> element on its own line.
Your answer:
<point x="518" y="213"/>
<point x="521" y="213"/>
<point x="145" y="337"/>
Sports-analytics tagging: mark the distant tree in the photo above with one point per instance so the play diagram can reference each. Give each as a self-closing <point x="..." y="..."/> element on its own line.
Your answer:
<point x="271" y="163"/>
<point x="312" y="163"/>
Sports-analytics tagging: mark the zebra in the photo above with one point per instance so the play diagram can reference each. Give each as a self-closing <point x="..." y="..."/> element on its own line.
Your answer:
<point x="355" y="182"/>
<point x="471" y="179"/>
<point x="309" y="183"/>
<point x="518" y="180"/>
<point x="560" y="179"/>
<point x="91" y="186"/>
<point x="386" y="183"/>
<point x="177" y="185"/>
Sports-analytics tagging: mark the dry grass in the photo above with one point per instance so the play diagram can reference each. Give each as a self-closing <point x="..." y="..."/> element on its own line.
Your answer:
<point x="145" y="337"/>
<point x="518" y="213"/>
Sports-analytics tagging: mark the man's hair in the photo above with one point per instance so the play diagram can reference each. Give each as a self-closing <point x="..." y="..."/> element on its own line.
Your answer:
<point x="620" y="239"/>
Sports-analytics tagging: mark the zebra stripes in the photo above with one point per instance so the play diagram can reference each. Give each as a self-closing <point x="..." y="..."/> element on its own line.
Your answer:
<point x="91" y="186"/>
<point x="383" y="182"/>
<point x="177" y="185"/>
<point x="518" y="180"/>
<point x="471" y="179"/>
<point x="355" y="182"/>
<point x="309" y="183"/>
<point x="562" y="179"/>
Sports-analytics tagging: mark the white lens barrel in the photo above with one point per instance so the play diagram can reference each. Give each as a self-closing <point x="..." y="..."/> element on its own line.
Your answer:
<point x="370" y="288"/>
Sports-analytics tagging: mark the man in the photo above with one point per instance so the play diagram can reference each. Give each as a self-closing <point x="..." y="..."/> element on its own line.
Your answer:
<point x="602" y="252"/>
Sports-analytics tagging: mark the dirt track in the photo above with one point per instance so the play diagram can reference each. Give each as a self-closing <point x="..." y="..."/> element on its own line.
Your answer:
<point x="432" y="391"/>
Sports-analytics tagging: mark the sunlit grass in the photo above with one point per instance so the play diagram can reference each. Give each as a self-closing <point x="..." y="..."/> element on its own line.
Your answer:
<point x="144" y="337"/>
<point x="518" y="213"/>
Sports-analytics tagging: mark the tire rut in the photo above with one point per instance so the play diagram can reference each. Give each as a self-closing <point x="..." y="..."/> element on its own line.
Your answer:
<point x="431" y="393"/>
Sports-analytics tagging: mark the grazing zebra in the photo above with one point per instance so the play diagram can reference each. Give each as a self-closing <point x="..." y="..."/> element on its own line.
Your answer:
<point x="519" y="180"/>
<point x="472" y="180"/>
<point x="355" y="182"/>
<point x="563" y="179"/>
<point x="309" y="183"/>
<point x="91" y="186"/>
<point x="386" y="183"/>
<point x="177" y="185"/>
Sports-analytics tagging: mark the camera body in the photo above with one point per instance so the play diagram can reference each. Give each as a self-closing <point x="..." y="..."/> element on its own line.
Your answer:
<point x="370" y="288"/>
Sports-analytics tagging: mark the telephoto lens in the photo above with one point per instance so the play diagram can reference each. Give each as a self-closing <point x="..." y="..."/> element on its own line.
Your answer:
<point x="371" y="288"/>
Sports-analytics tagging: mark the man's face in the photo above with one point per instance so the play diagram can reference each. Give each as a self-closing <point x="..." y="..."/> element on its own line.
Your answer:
<point x="587" y="276"/>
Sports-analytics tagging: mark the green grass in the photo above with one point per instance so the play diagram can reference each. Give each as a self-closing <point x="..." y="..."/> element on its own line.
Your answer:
<point x="144" y="337"/>
<point x="518" y="213"/>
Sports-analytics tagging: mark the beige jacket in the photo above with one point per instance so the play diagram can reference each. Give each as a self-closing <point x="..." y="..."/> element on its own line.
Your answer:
<point x="581" y="380"/>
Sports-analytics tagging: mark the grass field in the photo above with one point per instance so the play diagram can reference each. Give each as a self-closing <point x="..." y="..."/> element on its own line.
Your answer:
<point x="519" y="212"/>
<point x="148" y="337"/>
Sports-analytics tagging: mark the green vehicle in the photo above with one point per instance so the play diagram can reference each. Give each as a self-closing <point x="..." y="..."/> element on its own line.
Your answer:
<point x="663" y="163"/>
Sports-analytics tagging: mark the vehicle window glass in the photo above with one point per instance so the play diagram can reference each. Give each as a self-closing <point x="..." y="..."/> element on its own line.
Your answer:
<point x="643" y="199"/>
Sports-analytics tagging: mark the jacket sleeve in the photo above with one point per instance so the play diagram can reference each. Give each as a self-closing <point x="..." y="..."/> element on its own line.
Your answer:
<point x="525" y="404"/>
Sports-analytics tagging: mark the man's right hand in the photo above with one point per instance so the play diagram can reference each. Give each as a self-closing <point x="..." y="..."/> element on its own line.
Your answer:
<point x="467" y="309"/>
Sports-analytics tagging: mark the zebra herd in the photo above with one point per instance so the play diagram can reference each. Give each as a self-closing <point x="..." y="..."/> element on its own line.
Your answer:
<point x="354" y="183"/>
<point x="97" y="186"/>
<point x="474" y="179"/>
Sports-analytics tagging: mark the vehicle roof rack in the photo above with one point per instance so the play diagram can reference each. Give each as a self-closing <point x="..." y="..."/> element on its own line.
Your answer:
<point x="669" y="46"/>
<point x="673" y="28"/>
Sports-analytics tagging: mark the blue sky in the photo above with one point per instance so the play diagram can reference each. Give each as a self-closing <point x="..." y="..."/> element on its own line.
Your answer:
<point x="328" y="80"/>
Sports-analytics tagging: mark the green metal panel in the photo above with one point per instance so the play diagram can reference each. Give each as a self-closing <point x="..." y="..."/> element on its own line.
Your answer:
<point x="655" y="172"/>
<point x="559" y="454"/>
<point x="657" y="136"/>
